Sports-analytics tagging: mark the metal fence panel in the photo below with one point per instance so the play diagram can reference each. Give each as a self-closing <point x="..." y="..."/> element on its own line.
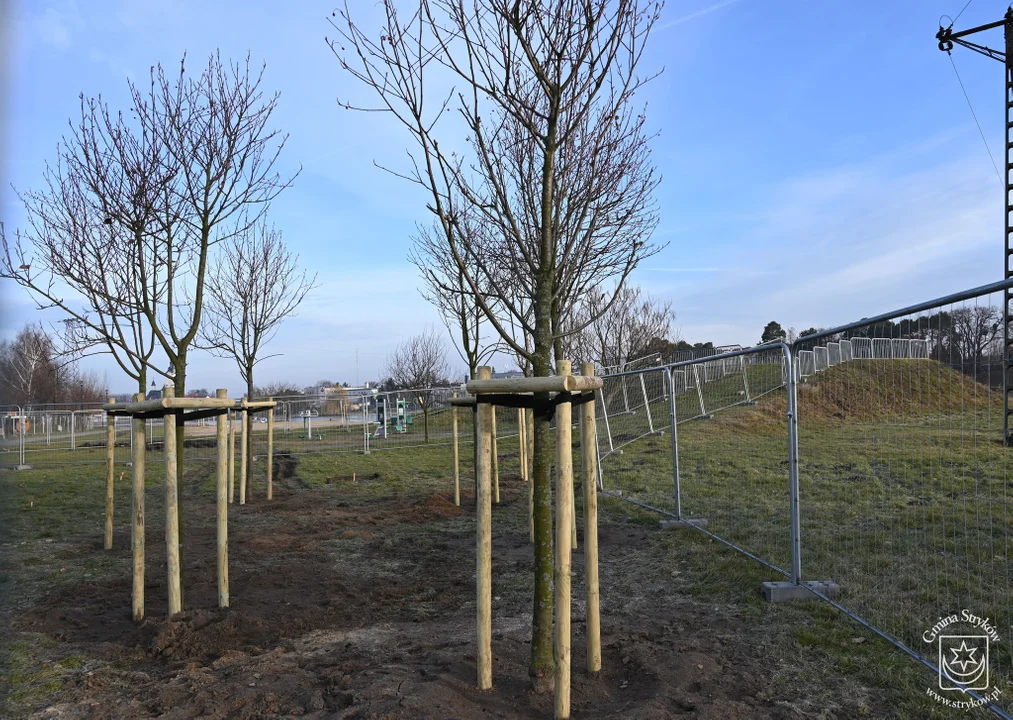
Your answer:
<point x="822" y="358"/>
<point x="904" y="485"/>
<point x="861" y="348"/>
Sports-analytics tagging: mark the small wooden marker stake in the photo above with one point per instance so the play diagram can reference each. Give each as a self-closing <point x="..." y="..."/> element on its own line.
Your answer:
<point x="232" y="456"/>
<point x="564" y="526"/>
<point x="171" y="511"/>
<point x="222" y="505"/>
<point x="110" y="462"/>
<point x="244" y="430"/>
<point x="457" y="465"/>
<point x="270" y="451"/>
<point x="483" y="517"/>
<point x="589" y="463"/>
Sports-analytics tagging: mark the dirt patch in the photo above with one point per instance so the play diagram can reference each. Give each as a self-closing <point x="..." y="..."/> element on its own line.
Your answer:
<point x="358" y="606"/>
<point x="283" y="466"/>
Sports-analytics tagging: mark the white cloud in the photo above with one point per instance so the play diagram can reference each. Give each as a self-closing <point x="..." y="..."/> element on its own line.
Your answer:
<point x="833" y="246"/>
<point x="56" y="25"/>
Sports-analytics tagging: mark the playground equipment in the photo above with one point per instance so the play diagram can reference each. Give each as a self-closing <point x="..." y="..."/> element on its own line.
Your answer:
<point x="401" y="421"/>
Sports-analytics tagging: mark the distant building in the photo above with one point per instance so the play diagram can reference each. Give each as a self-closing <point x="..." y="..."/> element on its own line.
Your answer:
<point x="507" y="374"/>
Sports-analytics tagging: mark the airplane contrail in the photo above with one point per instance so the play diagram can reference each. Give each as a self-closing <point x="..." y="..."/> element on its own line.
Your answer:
<point x="698" y="13"/>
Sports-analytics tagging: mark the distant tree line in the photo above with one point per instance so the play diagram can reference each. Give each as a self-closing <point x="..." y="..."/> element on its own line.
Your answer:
<point x="33" y="371"/>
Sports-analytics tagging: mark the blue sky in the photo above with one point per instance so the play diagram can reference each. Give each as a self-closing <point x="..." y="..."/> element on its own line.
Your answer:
<point x="820" y="163"/>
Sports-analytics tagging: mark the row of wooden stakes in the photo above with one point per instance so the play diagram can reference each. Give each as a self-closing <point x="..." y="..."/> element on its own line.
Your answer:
<point x="170" y="408"/>
<point x="565" y="390"/>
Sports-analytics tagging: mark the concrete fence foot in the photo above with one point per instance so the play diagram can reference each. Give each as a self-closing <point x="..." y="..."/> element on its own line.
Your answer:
<point x="786" y="591"/>
<point x="683" y="524"/>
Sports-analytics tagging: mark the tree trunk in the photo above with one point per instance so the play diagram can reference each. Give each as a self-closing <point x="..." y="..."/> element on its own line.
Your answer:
<point x="248" y="437"/>
<point x="425" y="420"/>
<point x="179" y="383"/>
<point x="542" y="667"/>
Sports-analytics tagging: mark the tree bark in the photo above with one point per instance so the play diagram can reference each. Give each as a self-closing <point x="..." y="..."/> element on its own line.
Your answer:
<point x="179" y="384"/>
<point x="541" y="668"/>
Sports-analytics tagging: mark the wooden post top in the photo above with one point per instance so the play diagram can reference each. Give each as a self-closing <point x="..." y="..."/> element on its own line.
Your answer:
<point x="552" y="383"/>
<point x="168" y="402"/>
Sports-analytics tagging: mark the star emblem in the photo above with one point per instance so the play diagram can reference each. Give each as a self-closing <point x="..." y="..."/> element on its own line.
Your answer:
<point x="963" y="656"/>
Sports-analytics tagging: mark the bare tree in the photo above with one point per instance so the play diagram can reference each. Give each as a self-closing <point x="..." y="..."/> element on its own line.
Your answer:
<point x="418" y="365"/>
<point x="973" y="331"/>
<point x="86" y="237"/>
<point x="621" y="332"/>
<point x="27" y="368"/>
<point x="447" y="289"/>
<point x="253" y="284"/>
<point x="193" y="168"/>
<point x="555" y="181"/>
<point x="216" y="132"/>
<point x="33" y="370"/>
<point x="132" y="211"/>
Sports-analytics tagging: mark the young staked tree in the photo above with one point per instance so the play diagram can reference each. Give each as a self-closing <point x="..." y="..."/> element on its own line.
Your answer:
<point x="194" y="166"/>
<point x="253" y="284"/>
<point x="549" y="196"/>
<point x="133" y="210"/>
<point x="418" y="365"/>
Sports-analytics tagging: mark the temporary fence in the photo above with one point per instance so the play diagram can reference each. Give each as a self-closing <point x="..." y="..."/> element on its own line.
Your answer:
<point x="364" y="422"/>
<point x="878" y="485"/>
<point x="353" y="422"/>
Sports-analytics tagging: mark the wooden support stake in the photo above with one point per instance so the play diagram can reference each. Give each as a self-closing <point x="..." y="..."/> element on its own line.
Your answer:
<point x="137" y="458"/>
<point x="483" y="517"/>
<point x="564" y="520"/>
<point x="232" y="456"/>
<point x="495" y="458"/>
<point x="244" y="431"/>
<point x="529" y="425"/>
<point x="172" y="512"/>
<point x="222" y="497"/>
<point x="110" y="463"/>
<point x="457" y="466"/>
<point x="589" y="462"/>
<point x="270" y="452"/>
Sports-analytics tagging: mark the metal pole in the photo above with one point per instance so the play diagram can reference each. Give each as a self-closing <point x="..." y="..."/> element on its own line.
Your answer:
<point x="597" y="454"/>
<point x="605" y="417"/>
<point x="796" y="550"/>
<point x="647" y="405"/>
<point x="21" y="423"/>
<point x="73" y="444"/>
<point x="1007" y="293"/>
<point x="699" y="389"/>
<point x="673" y="418"/>
<point x="745" y="378"/>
